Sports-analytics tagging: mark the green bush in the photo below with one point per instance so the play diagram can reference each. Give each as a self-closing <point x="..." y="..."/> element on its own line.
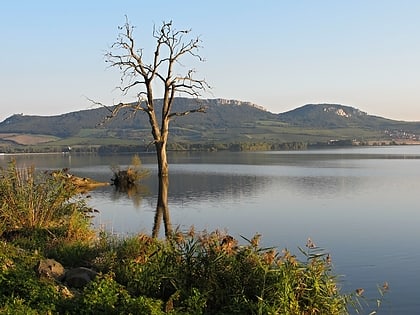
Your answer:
<point x="106" y="296"/>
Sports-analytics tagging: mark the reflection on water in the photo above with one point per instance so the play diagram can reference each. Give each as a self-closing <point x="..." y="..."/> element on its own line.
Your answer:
<point x="361" y="204"/>
<point x="135" y="193"/>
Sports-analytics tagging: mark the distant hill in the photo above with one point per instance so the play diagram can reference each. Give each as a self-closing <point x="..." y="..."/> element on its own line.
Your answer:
<point x="225" y="121"/>
<point x="220" y="113"/>
<point x="338" y="116"/>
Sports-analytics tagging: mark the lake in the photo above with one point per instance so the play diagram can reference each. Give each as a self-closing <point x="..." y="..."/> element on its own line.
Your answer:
<point x="360" y="204"/>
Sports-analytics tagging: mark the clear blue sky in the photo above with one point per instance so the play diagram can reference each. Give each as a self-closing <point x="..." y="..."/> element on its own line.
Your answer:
<point x="277" y="54"/>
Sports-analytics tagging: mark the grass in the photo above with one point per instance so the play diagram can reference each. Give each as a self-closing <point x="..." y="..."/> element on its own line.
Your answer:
<point x="188" y="273"/>
<point x="30" y="200"/>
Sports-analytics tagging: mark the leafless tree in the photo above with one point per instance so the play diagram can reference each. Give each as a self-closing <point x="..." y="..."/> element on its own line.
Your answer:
<point x="138" y="75"/>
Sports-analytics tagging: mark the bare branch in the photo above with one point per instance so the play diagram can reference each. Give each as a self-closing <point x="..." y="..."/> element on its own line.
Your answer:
<point x="189" y="85"/>
<point x="115" y="109"/>
<point x="126" y="88"/>
<point x="201" y="109"/>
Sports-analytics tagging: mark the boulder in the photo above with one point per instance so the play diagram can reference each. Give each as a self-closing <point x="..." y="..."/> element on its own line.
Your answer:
<point x="79" y="277"/>
<point x="50" y="268"/>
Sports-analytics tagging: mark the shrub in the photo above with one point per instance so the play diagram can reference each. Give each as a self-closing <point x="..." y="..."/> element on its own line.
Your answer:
<point x="105" y="296"/>
<point x="127" y="179"/>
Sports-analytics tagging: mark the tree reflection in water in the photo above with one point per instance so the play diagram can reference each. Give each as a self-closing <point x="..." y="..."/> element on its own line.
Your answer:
<point x="162" y="208"/>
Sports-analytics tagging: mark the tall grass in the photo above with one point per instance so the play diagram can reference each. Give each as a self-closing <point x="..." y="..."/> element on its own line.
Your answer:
<point x="210" y="273"/>
<point x="32" y="200"/>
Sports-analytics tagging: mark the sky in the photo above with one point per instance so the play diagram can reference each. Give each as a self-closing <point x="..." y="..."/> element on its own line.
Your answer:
<point x="277" y="54"/>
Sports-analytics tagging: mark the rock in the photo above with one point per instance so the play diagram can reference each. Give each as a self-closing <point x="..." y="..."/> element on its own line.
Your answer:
<point x="50" y="268"/>
<point x="79" y="277"/>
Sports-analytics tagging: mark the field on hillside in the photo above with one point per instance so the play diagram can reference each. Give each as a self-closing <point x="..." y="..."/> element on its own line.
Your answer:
<point x="27" y="139"/>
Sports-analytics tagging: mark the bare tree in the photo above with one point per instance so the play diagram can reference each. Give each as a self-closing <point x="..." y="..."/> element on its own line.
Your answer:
<point x="142" y="77"/>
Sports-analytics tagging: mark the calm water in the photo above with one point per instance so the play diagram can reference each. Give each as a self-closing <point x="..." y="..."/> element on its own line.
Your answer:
<point x="360" y="204"/>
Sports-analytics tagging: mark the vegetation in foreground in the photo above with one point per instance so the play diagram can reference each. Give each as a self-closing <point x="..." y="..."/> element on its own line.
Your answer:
<point x="188" y="273"/>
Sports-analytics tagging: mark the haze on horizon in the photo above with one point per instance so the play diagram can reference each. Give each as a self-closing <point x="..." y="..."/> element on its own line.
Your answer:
<point x="276" y="54"/>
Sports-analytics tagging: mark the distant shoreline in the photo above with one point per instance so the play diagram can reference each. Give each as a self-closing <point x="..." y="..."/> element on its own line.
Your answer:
<point x="204" y="148"/>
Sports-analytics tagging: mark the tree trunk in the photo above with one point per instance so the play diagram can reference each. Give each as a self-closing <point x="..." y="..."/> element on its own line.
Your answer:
<point x="162" y="208"/>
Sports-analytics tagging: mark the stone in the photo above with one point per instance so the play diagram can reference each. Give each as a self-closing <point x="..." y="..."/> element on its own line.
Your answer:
<point x="79" y="277"/>
<point x="50" y="268"/>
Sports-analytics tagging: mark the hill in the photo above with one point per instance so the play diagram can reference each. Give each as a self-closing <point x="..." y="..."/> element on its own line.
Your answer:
<point x="225" y="122"/>
<point x="219" y="114"/>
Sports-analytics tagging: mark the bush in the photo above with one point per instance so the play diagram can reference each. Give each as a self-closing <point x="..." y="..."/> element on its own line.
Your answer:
<point x="106" y="296"/>
<point x="126" y="180"/>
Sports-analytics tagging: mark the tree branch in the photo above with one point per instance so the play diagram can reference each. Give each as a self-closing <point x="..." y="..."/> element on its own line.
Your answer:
<point x="114" y="111"/>
<point x="201" y="109"/>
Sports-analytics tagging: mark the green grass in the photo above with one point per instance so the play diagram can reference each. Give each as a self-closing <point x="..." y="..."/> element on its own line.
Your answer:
<point x="91" y="133"/>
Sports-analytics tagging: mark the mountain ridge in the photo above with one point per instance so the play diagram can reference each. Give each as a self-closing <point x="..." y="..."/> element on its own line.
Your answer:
<point x="224" y="121"/>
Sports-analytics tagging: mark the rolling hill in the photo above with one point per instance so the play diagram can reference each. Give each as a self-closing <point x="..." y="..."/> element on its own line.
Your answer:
<point x="225" y="121"/>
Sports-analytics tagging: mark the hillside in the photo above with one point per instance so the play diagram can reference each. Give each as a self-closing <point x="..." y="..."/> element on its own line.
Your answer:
<point x="336" y="116"/>
<point x="225" y="121"/>
<point x="219" y="114"/>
